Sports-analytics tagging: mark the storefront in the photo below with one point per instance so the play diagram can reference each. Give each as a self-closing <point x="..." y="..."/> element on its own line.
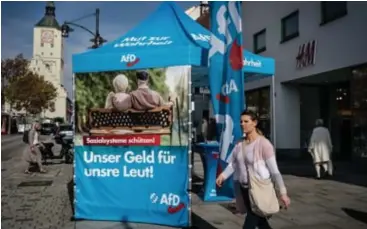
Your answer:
<point x="359" y="109"/>
<point x="259" y="101"/>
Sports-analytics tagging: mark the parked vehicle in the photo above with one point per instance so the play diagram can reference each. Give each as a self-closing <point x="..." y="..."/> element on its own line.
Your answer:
<point x="63" y="130"/>
<point x="47" y="128"/>
<point x="67" y="150"/>
<point x="47" y="152"/>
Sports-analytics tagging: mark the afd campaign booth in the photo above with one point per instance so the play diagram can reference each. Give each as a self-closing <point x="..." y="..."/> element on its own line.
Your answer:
<point x="131" y="177"/>
<point x="128" y="168"/>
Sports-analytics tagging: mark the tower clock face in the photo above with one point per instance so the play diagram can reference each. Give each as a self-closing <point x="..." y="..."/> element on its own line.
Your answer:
<point x="47" y="36"/>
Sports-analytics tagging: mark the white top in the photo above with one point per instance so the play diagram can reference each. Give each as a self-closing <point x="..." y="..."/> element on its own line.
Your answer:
<point x="35" y="140"/>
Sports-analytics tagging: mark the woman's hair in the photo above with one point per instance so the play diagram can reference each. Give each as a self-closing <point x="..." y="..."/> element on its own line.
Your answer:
<point x="142" y="77"/>
<point x="319" y="122"/>
<point x="120" y="83"/>
<point x="254" y="117"/>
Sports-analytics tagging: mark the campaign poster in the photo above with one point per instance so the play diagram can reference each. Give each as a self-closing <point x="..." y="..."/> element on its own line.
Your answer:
<point x="131" y="146"/>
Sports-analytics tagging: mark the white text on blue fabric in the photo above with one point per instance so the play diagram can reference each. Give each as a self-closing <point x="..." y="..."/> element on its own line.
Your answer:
<point x="130" y="160"/>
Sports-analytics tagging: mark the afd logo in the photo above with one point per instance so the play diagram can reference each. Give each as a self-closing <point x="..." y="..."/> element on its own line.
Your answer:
<point x="172" y="201"/>
<point x="129" y="59"/>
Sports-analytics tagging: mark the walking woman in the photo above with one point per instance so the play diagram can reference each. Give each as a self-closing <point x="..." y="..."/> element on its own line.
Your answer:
<point x="255" y="168"/>
<point x="320" y="148"/>
<point x="33" y="155"/>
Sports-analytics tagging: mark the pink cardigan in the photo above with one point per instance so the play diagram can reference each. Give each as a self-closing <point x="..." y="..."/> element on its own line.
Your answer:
<point x="264" y="166"/>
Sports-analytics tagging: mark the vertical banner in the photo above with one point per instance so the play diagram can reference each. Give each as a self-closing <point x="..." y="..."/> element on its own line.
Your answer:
<point x="226" y="78"/>
<point x="131" y="146"/>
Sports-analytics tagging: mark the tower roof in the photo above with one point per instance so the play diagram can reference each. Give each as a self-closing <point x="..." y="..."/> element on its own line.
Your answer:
<point x="49" y="19"/>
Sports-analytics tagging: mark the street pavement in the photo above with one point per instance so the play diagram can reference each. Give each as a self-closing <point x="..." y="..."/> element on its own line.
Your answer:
<point x="39" y="201"/>
<point x="337" y="203"/>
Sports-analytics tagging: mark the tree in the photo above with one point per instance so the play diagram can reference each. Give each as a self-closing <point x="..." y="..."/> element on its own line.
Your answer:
<point x="11" y="69"/>
<point x="30" y="92"/>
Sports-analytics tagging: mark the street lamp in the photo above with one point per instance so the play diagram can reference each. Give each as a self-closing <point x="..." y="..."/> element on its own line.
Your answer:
<point x="97" y="39"/>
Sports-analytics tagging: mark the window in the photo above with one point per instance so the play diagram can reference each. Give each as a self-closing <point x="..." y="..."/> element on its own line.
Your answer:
<point x="260" y="41"/>
<point x="51" y="54"/>
<point x="331" y="11"/>
<point x="258" y="101"/>
<point x="290" y="28"/>
<point x="41" y="44"/>
<point x="52" y="45"/>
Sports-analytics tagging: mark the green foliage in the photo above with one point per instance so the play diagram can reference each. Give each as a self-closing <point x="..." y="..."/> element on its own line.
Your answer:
<point x="31" y="93"/>
<point x="25" y="89"/>
<point x="11" y="69"/>
<point x="93" y="88"/>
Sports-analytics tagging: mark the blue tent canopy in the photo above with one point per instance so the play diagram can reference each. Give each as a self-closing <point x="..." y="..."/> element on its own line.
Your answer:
<point x="168" y="37"/>
<point x="163" y="39"/>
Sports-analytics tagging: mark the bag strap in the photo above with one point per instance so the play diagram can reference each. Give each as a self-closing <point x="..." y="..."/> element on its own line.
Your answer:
<point x="245" y="161"/>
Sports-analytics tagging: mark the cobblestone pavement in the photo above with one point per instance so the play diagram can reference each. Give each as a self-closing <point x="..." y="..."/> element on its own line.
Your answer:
<point x="39" y="201"/>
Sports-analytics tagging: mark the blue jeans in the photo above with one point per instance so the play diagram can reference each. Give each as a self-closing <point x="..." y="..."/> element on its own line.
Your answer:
<point x="252" y="220"/>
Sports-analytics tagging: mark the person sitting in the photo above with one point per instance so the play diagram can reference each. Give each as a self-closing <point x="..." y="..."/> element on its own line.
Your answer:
<point x="144" y="98"/>
<point x="119" y="99"/>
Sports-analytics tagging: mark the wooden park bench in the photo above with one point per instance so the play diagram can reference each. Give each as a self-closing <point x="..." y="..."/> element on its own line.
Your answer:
<point x="110" y="121"/>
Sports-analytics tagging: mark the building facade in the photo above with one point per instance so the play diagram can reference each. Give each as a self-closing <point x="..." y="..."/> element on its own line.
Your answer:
<point x="321" y="71"/>
<point x="48" y="59"/>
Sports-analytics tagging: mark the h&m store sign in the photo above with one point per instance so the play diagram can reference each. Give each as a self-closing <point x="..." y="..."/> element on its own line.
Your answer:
<point x="306" y="54"/>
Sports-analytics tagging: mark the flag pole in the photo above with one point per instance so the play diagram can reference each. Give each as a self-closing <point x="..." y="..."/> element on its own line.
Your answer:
<point x="273" y="94"/>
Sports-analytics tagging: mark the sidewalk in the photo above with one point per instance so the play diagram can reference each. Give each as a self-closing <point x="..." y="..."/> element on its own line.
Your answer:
<point x="317" y="204"/>
<point x="39" y="201"/>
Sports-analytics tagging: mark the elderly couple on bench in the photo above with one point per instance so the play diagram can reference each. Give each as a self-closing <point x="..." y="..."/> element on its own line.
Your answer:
<point x="141" y="99"/>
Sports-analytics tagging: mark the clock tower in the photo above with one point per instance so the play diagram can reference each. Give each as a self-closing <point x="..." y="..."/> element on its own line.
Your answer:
<point x="48" y="58"/>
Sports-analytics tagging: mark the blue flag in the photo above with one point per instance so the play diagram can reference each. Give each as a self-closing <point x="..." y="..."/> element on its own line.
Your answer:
<point x="225" y="72"/>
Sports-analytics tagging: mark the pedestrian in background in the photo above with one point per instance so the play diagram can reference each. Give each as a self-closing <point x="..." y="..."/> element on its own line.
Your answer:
<point x="320" y="148"/>
<point x="204" y="129"/>
<point x="33" y="155"/>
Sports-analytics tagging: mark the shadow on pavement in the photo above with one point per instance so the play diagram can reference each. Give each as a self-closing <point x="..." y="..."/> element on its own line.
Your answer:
<point x="197" y="184"/>
<point x="343" y="171"/>
<point x="70" y="187"/>
<point x="357" y="215"/>
<point x="125" y="224"/>
<point x="198" y="222"/>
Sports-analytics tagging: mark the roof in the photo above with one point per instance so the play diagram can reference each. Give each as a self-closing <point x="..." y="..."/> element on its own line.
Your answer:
<point x="150" y="45"/>
<point x="49" y="19"/>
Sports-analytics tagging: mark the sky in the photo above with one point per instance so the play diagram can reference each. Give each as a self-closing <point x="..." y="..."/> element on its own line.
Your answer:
<point x="116" y="18"/>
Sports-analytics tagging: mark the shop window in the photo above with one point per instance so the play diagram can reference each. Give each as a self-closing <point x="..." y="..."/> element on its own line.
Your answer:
<point x="331" y="11"/>
<point x="258" y="101"/>
<point x="290" y="27"/>
<point x="359" y="101"/>
<point x="260" y="41"/>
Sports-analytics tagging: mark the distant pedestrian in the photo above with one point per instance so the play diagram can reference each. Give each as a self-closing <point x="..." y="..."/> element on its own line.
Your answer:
<point x="204" y="129"/>
<point x="320" y="148"/>
<point x="33" y="154"/>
